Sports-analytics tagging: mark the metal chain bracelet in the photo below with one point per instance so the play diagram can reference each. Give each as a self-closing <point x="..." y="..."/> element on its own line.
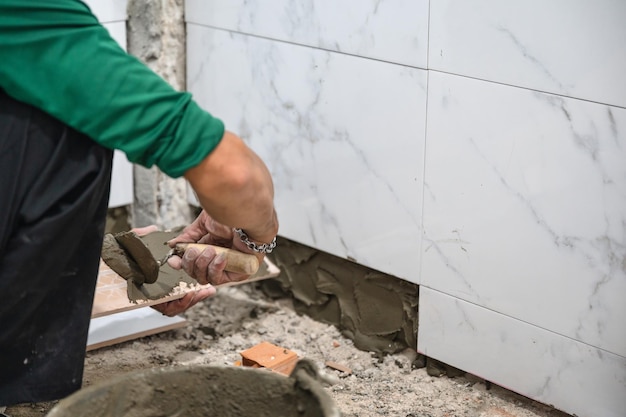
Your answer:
<point x="262" y="248"/>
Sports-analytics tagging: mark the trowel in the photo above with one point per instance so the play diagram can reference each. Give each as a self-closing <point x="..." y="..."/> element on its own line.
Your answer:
<point x="127" y="255"/>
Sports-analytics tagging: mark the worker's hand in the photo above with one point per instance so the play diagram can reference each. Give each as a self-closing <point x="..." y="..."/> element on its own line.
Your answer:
<point x="173" y="308"/>
<point x="207" y="267"/>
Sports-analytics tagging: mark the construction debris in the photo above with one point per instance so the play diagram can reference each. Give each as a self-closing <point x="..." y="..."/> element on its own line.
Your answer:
<point x="338" y="367"/>
<point x="266" y="355"/>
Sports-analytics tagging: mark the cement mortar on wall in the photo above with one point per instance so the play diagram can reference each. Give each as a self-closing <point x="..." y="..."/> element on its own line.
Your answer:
<point x="377" y="311"/>
<point x="156" y="35"/>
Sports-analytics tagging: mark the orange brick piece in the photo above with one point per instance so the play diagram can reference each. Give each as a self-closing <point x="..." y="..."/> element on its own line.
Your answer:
<point x="272" y="357"/>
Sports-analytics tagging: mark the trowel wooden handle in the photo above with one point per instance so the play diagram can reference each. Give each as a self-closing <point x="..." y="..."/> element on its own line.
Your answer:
<point x="236" y="261"/>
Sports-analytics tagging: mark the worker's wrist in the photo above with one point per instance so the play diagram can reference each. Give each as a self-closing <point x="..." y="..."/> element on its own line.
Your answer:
<point x="264" y="233"/>
<point x="254" y="245"/>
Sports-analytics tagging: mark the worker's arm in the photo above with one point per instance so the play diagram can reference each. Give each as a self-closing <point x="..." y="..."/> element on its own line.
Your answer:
<point x="235" y="187"/>
<point x="233" y="184"/>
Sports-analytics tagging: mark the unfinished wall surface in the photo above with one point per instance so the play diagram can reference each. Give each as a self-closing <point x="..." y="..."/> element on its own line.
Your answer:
<point x="473" y="147"/>
<point x="156" y="35"/>
<point x="377" y="311"/>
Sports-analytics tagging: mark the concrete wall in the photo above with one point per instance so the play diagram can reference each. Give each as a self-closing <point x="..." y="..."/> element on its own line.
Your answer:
<point x="156" y="35"/>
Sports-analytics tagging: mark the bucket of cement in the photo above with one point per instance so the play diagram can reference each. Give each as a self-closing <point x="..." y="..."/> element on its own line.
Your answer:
<point x="219" y="391"/>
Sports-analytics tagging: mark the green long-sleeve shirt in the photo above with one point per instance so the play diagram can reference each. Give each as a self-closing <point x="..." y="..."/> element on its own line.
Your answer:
<point x="55" y="56"/>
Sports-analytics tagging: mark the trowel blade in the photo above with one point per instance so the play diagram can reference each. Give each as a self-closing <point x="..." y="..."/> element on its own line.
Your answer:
<point x="127" y="255"/>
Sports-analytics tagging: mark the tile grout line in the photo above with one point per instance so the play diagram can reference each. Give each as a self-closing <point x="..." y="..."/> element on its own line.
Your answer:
<point x="524" y="321"/>
<point x="252" y="35"/>
<point x="424" y="161"/>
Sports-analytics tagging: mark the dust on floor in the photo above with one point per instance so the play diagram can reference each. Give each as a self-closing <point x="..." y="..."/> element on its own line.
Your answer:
<point x="238" y="318"/>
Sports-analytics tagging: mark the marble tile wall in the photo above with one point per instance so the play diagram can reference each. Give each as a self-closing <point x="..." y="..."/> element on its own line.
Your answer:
<point x="112" y="14"/>
<point x="524" y="248"/>
<point x="473" y="147"/>
<point x="340" y="134"/>
<point x="524" y="209"/>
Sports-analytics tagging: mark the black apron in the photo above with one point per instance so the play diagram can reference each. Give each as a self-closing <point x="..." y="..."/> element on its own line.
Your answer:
<point x="54" y="190"/>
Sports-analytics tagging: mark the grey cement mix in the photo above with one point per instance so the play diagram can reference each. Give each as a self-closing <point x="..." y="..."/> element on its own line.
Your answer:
<point x="377" y="311"/>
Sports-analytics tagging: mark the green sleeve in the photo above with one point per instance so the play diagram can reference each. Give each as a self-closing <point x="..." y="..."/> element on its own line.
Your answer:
<point x="55" y="56"/>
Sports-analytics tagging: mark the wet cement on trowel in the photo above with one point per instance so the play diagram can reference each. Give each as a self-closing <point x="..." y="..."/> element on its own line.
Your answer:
<point x="169" y="280"/>
<point x="377" y="311"/>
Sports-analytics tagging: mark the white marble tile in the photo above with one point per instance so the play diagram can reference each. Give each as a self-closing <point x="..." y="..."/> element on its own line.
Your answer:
<point x="117" y="30"/>
<point x="108" y="10"/>
<point x="568" y="47"/>
<point x="122" y="174"/>
<point x="121" y="181"/>
<point x="525" y="206"/>
<point x="395" y="31"/>
<point x="343" y="137"/>
<point x="542" y="365"/>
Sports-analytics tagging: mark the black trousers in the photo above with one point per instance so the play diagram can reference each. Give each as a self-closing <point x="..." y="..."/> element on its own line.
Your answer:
<point x="54" y="190"/>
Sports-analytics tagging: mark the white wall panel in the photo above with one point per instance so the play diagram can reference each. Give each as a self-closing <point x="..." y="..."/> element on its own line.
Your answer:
<point x="112" y="14"/>
<point x="389" y="30"/>
<point x="342" y="135"/>
<point x="568" y="47"/>
<point x="526" y="205"/>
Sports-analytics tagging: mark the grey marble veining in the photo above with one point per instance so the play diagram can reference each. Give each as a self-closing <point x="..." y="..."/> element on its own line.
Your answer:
<point x="567" y="47"/>
<point x="340" y="134"/>
<point x="394" y="31"/>
<point x="525" y="211"/>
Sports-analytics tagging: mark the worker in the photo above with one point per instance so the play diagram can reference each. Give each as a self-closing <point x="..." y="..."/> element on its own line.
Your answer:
<point x="69" y="95"/>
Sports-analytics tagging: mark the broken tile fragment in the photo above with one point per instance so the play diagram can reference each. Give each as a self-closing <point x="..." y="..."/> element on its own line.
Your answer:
<point x="272" y="357"/>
